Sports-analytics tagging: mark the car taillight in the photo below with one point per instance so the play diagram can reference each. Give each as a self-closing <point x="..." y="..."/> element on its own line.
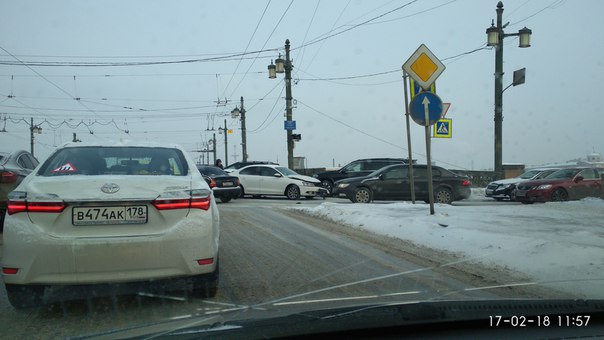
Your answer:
<point x="197" y="199"/>
<point x="466" y="183"/>
<point x="8" y="177"/>
<point x="238" y="183"/>
<point x="17" y="206"/>
<point x="212" y="183"/>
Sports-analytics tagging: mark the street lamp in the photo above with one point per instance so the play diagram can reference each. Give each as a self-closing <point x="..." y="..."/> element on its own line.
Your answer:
<point x="237" y="113"/>
<point x="495" y="36"/>
<point x="285" y="66"/>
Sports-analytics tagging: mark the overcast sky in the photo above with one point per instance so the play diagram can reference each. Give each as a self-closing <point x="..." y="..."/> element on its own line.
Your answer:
<point x="162" y="70"/>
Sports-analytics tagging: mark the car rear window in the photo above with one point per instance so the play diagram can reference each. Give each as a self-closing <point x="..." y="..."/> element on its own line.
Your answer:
<point x="115" y="161"/>
<point x="211" y="170"/>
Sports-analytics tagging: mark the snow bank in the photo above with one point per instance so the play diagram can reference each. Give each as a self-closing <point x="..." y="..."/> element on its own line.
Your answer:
<point x="560" y="245"/>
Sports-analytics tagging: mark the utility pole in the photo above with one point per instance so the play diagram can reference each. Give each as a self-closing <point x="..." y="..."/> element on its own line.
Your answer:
<point x="226" y="144"/>
<point x="31" y="134"/>
<point x="288" y="105"/>
<point x="214" y="143"/>
<point x="243" y="136"/>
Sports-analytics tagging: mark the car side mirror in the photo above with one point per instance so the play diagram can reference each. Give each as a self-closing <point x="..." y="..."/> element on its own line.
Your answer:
<point x="381" y="176"/>
<point x="277" y="175"/>
<point x="578" y="179"/>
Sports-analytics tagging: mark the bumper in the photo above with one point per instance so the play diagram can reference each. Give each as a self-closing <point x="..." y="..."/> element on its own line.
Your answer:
<point x="42" y="258"/>
<point x="310" y="190"/>
<point x="532" y="196"/>
<point x="227" y="192"/>
<point x="498" y="193"/>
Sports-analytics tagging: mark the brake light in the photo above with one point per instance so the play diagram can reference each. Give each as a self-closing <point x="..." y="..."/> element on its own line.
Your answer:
<point x="466" y="183"/>
<point x="212" y="183"/>
<point x="199" y="199"/>
<point x="205" y="262"/>
<point x="17" y="206"/>
<point x="10" y="271"/>
<point x="8" y="177"/>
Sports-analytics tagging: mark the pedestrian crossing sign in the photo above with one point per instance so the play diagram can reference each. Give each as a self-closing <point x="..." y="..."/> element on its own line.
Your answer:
<point x="442" y="128"/>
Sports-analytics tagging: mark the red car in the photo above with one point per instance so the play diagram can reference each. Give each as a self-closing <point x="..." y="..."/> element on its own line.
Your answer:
<point x="562" y="185"/>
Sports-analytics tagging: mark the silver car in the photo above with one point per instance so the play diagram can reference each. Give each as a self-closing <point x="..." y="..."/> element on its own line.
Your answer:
<point x="110" y="214"/>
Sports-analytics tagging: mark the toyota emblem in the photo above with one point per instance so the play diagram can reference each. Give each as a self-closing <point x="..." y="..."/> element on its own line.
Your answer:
<point x="110" y="188"/>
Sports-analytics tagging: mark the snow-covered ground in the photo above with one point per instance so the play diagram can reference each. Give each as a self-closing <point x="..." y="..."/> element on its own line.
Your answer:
<point x="560" y="245"/>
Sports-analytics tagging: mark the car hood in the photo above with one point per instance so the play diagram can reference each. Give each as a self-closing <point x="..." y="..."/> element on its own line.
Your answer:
<point x="508" y="181"/>
<point x="79" y="187"/>
<point x="355" y="179"/>
<point x="305" y="178"/>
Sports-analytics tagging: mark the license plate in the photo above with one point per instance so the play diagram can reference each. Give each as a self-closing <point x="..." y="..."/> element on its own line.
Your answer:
<point x="520" y="193"/>
<point x="489" y="192"/>
<point x="132" y="214"/>
<point x="227" y="184"/>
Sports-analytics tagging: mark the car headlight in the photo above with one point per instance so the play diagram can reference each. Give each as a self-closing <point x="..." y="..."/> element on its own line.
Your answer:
<point x="504" y="186"/>
<point x="544" y="187"/>
<point x="308" y="184"/>
<point x="342" y="185"/>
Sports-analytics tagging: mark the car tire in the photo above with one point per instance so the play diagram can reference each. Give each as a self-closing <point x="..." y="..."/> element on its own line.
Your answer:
<point x="24" y="296"/>
<point x="327" y="184"/>
<point x="559" y="195"/>
<point x="225" y="199"/>
<point x="206" y="285"/>
<point x="292" y="192"/>
<point x="362" y="195"/>
<point x="443" y="195"/>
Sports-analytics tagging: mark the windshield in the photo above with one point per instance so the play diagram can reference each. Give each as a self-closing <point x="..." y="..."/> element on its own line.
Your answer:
<point x="286" y="171"/>
<point x="307" y="105"/>
<point x="563" y="174"/>
<point x="530" y="174"/>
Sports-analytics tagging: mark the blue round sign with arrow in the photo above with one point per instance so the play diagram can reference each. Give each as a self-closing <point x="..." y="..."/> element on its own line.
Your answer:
<point x="426" y="106"/>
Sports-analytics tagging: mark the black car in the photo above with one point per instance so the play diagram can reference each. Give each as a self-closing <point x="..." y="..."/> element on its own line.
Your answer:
<point x="239" y="165"/>
<point x="358" y="168"/>
<point x="225" y="186"/>
<point x="14" y="166"/>
<point x="392" y="183"/>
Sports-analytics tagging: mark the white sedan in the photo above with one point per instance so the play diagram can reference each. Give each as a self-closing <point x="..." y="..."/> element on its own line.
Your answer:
<point x="275" y="180"/>
<point x="110" y="214"/>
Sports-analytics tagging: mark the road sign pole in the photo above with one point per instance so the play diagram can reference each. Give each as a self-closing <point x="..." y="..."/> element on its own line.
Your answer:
<point x="410" y="157"/>
<point x="426" y="102"/>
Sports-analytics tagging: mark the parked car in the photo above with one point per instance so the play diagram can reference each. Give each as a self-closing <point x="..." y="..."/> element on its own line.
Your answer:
<point x="14" y="166"/>
<point x="358" y="168"/>
<point x="268" y="179"/>
<point x="110" y="214"/>
<point x="562" y="185"/>
<point x="224" y="186"/>
<point x="392" y="183"/>
<point x="503" y="189"/>
<point x="239" y="165"/>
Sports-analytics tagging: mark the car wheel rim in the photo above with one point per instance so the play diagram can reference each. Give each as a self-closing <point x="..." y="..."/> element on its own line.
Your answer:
<point x="443" y="196"/>
<point x="292" y="192"/>
<point x="326" y="185"/>
<point x="559" y="196"/>
<point x="362" y="196"/>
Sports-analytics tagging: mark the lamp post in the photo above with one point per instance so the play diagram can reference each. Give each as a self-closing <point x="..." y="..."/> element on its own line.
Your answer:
<point x="241" y="113"/>
<point x="495" y="36"/>
<point x="285" y="66"/>
<point x="33" y="129"/>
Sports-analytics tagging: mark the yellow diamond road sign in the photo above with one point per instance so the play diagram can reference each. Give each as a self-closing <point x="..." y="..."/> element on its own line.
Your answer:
<point x="423" y="67"/>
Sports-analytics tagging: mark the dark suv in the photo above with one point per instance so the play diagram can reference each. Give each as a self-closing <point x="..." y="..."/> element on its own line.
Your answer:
<point x="358" y="168"/>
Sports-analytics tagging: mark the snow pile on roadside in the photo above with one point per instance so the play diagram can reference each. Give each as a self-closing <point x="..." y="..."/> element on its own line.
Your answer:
<point x="557" y="244"/>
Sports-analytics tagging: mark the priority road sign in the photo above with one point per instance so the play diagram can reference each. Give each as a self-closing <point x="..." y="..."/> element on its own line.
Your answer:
<point x="424" y="67"/>
<point x="426" y="106"/>
<point x="443" y="128"/>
